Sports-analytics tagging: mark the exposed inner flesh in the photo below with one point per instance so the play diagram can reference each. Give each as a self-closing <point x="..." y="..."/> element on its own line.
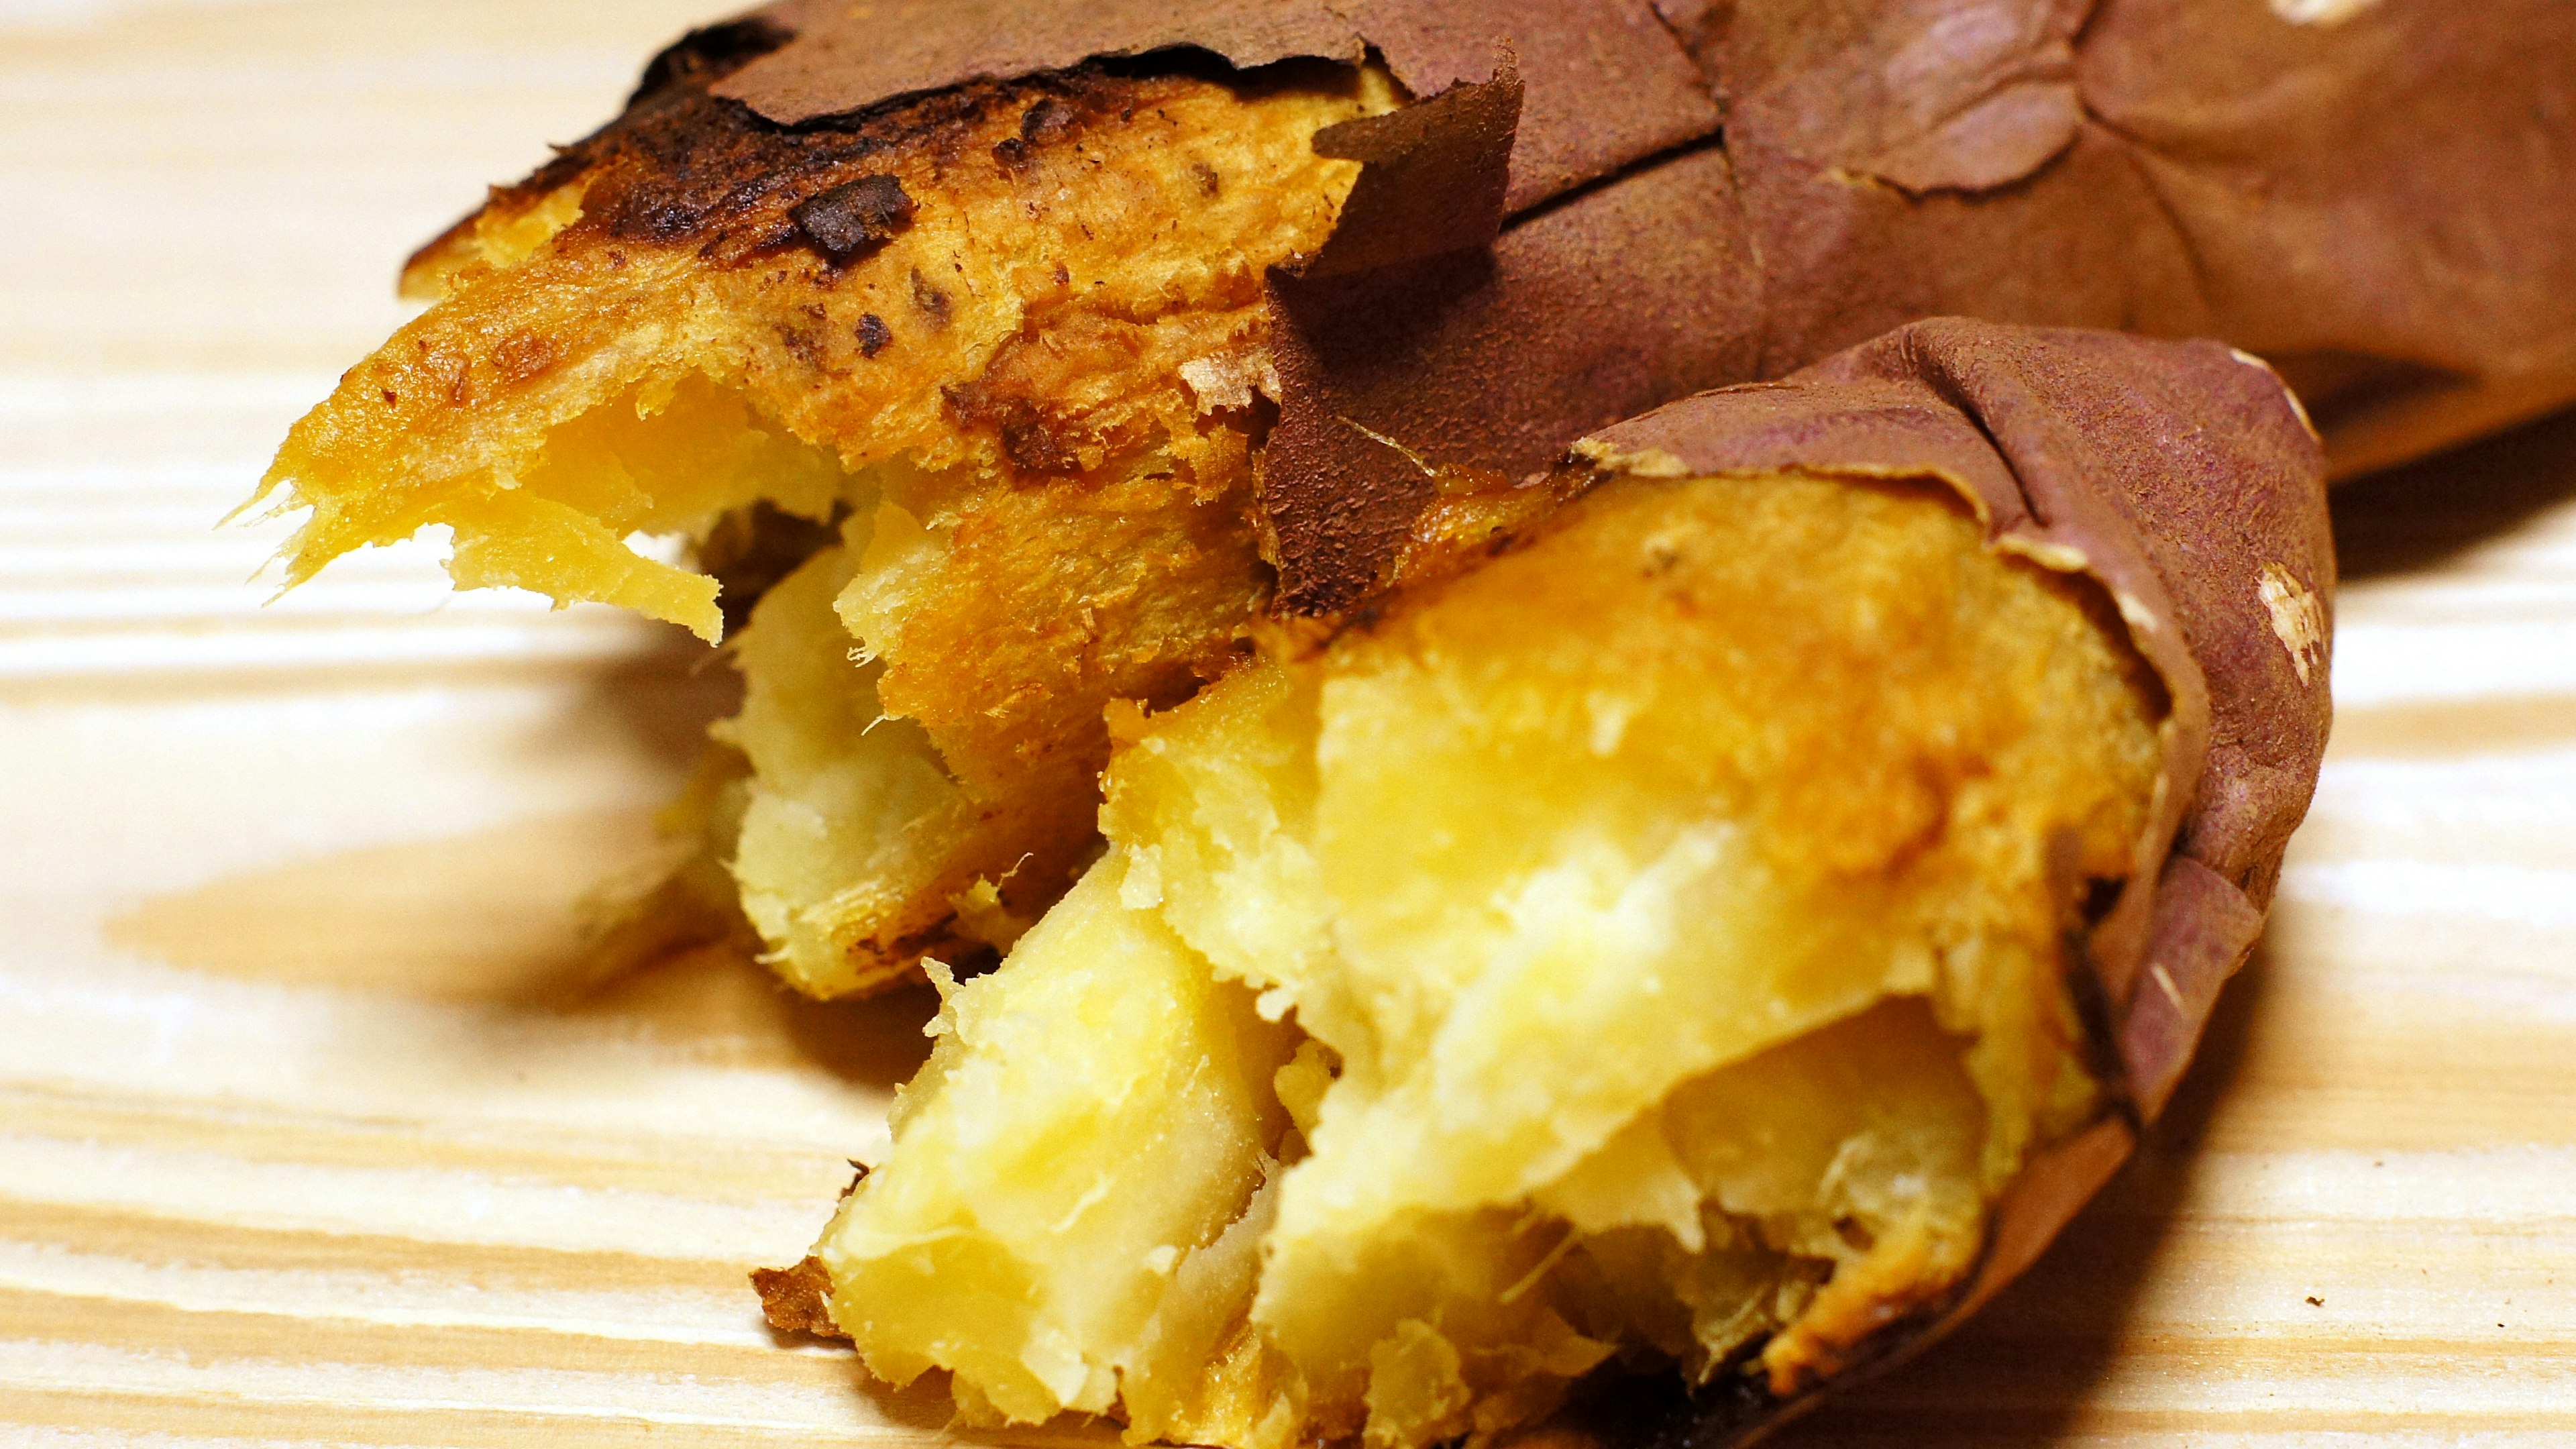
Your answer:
<point x="1029" y="412"/>
<point x="1646" y="947"/>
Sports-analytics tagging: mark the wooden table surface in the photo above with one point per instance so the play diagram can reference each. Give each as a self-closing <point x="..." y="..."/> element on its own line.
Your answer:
<point x="309" y="1132"/>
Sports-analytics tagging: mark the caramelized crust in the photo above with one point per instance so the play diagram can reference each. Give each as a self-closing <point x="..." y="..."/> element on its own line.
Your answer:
<point x="693" y="257"/>
<point x="1003" y="346"/>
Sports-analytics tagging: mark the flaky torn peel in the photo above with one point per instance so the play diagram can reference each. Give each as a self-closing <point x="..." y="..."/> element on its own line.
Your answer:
<point x="1715" y="929"/>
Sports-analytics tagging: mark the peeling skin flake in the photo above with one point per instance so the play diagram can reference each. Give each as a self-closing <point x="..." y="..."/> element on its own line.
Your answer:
<point x="2298" y="619"/>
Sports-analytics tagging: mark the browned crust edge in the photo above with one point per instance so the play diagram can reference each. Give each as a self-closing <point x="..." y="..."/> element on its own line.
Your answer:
<point x="845" y="59"/>
<point x="798" y="1299"/>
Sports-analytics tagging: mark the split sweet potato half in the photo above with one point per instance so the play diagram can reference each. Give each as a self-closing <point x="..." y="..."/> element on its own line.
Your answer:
<point x="1478" y="917"/>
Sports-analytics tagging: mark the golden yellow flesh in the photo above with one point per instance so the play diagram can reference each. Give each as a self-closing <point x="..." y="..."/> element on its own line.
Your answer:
<point x="848" y="817"/>
<point x="1671" y="914"/>
<point x="1033" y="404"/>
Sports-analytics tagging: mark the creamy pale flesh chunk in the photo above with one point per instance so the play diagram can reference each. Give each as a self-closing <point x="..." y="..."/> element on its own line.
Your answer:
<point x="1033" y="401"/>
<point x="1665" y="926"/>
<point x="1101" y="1126"/>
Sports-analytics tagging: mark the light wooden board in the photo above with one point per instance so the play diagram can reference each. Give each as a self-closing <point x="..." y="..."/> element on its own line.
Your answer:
<point x="307" y="1134"/>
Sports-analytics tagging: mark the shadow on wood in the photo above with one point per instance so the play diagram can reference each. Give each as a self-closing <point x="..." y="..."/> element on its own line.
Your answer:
<point x="2423" y="515"/>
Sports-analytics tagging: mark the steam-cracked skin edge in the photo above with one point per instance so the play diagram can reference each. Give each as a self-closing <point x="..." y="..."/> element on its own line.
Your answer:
<point x="1727" y="923"/>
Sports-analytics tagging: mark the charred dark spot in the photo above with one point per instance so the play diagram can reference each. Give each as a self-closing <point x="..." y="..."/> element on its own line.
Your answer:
<point x="860" y="1171"/>
<point x="1050" y="119"/>
<point x="392" y="397"/>
<point x="802" y="345"/>
<point x="455" y="370"/>
<point x="1035" y="446"/>
<point x="686" y="166"/>
<point x="523" y="356"/>
<point x="854" y="218"/>
<point x="874" y="335"/>
<point x="682" y="167"/>
<point x="931" y="302"/>
<point x="1210" y="184"/>
<point x="1033" y="440"/>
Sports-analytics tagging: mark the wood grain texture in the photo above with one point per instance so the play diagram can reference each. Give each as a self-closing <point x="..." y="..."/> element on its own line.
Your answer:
<point x="311" y="1133"/>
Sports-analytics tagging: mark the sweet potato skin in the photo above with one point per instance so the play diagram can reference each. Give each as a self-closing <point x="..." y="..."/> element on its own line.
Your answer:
<point x="2378" y="203"/>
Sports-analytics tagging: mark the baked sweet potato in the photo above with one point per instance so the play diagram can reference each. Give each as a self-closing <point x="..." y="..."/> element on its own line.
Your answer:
<point x="1058" y="344"/>
<point x="1716" y="930"/>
